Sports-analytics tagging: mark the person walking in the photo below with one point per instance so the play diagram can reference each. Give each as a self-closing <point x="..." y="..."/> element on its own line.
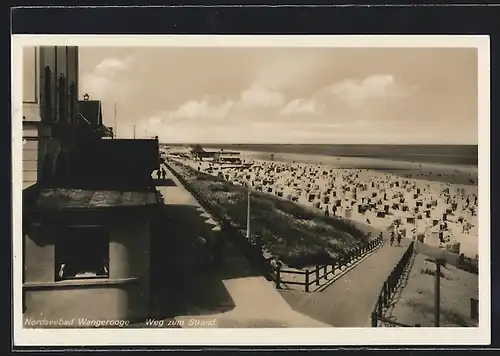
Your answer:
<point x="158" y="174"/>
<point x="399" y="238"/>
<point x="163" y="173"/>
<point x="392" y="238"/>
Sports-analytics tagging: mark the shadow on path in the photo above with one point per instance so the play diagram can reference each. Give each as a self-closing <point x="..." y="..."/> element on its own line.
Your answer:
<point x="182" y="281"/>
<point x="164" y="182"/>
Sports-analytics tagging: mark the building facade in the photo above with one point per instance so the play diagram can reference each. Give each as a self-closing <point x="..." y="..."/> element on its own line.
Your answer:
<point x="50" y="110"/>
<point x="88" y="203"/>
<point x="31" y="114"/>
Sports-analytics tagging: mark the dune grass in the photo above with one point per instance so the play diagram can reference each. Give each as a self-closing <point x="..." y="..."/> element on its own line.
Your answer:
<point x="296" y="235"/>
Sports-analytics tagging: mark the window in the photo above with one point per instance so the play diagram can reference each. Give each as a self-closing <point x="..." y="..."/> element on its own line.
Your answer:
<point x="82" y="252"/>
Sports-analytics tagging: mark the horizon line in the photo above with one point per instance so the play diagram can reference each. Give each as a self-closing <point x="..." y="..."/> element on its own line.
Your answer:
<point x="317" y="144"/>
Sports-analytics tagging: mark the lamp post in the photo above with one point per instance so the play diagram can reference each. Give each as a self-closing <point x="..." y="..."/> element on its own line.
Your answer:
<point x="248" y="212"/>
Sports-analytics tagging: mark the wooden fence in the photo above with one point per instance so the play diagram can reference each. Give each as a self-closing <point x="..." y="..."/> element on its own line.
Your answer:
<point x="249" y="247"/>
<point x="389" y="288"/>
<point x="253" y="251"/>
<point x="316" y="275"/>
<point x="392" y="324"/>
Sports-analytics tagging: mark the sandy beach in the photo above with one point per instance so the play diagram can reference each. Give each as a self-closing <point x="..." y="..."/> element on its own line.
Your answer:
<point x="434" y="203"/>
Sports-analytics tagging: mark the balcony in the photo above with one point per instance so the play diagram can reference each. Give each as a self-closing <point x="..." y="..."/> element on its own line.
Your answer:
<point x="118" y="164"/>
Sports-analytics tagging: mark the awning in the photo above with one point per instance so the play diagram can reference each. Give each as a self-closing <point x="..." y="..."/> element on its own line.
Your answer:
<point x="68" y="199"/>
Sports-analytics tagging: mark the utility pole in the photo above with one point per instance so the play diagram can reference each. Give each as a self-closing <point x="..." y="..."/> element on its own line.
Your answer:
<point x="116" y="129"/>
<point x="248" y="213"/>
<point x="437" y="293"/>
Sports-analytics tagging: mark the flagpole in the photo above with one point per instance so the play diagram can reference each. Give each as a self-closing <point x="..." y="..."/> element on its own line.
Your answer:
<point x="116" y="129"/>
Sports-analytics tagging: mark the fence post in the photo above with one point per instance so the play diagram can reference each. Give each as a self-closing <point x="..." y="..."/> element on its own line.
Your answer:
<point x="307" y="280"/>
<point x="474" y="309"/>
<point x="317" y="275"/>
<point x="380" y="306"/>
<point x="278" y="277"/>
<point x="386" y="293"/>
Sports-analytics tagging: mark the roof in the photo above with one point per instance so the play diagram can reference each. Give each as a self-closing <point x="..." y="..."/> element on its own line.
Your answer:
<point x="229" y="153"/>
<point x="105" y="131"/>
<point x="115" y="159"/>
<point x="197" y="149"/>
<point x="63" y="198"/>
<point x="91" y="110"/>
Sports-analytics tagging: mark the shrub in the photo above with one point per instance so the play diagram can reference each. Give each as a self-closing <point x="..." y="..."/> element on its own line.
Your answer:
<point x="297" y="235"/>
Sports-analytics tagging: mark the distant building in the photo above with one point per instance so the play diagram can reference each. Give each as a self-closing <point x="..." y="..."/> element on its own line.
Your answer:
<point x="223" y="157"/>
<point x="230" y="157"/>
<point x="199" y="153"/>
<point x="90" y="111"/>
<point x="87" y="203"/>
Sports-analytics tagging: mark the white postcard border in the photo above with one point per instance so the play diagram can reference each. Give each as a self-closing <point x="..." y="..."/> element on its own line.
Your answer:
<point x="259" y="337"/>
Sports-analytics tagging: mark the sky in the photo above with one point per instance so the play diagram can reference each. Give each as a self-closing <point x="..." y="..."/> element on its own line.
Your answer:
<point x="286" y="95"/>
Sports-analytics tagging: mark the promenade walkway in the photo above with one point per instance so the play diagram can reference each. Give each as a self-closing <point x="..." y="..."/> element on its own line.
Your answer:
<point x="234" y="295"/>
<point x="349" y="300"/>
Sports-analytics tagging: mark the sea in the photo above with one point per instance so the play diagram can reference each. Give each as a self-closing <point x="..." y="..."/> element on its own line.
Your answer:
<point x="464" y="155"/>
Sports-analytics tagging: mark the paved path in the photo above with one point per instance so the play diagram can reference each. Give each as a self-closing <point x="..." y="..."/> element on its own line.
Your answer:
<point x="235" y="294"/>
<point x="349" y="301"/>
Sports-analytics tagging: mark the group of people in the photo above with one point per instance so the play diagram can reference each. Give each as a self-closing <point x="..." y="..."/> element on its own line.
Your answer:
<point x="395" y="236"/>
<point x="161" y="173"/>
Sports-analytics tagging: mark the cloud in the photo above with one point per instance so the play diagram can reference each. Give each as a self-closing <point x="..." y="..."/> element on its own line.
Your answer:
<point x="300" y="106"/>
<point x="217" y="108"/>
<point x="357" y="92"/>
<point x="203" y="109"/>
<point x="263" y="114"/>
<point x="106" y="80"/>
<point x="261" y="97"/>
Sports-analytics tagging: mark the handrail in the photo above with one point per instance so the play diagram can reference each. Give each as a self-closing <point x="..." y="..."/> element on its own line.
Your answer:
<point x="389" y="287"/>
<point x="225" y="222"/>
<point x="354" y="256"/>
<point x="392" y="322"/>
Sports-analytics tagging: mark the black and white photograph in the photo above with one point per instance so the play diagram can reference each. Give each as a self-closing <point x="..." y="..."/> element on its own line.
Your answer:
<point x="251" y="189"/>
